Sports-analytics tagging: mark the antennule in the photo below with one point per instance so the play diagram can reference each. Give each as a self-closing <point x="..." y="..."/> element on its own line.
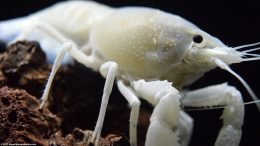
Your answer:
<point x="251" y="59"/>
<point x="251" y="50"/>
<point x="247" y="45"/>
<point x="224" y="66"/>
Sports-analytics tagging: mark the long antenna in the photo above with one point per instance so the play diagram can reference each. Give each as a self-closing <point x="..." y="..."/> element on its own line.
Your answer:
<point x="221" y="107"/>
<point x="224" y="66"/>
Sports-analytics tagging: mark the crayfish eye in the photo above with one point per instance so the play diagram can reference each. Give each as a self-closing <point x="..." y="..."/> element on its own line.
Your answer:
<point x="197" y="39"/>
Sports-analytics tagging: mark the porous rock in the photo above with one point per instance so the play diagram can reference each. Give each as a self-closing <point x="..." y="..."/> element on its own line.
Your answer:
<point x="21" y="119"/>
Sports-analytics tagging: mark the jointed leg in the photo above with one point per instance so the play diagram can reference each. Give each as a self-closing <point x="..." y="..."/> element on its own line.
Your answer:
<point x="108" y="70"/>
<point x="135" y="105"/>
<point x="165" y="117"/>
<point x="55" y="68"/>
<point x="233" y="115"/>
<point x="88" y="61"/>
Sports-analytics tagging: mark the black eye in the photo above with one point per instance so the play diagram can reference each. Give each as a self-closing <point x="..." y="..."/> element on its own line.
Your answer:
<point x="197" y="38"/>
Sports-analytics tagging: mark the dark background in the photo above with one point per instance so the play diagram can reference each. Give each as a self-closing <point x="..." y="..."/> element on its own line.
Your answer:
<point x="234" y="22"/>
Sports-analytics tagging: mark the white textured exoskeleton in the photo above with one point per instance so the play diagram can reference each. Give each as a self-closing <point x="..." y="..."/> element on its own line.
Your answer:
<point x="151" y="54"/>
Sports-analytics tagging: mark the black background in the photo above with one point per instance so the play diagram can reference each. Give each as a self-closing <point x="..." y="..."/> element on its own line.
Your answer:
<point x="234" y="22"/>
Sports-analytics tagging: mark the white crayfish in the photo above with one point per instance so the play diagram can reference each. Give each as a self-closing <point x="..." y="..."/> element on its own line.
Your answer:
<point x="151" y="54"/>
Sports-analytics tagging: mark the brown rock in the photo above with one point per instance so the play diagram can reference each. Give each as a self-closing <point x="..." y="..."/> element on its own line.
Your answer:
<point x="20" y="55"/>
<point x="23" y="65"/>
<point x="21" y="119"/>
